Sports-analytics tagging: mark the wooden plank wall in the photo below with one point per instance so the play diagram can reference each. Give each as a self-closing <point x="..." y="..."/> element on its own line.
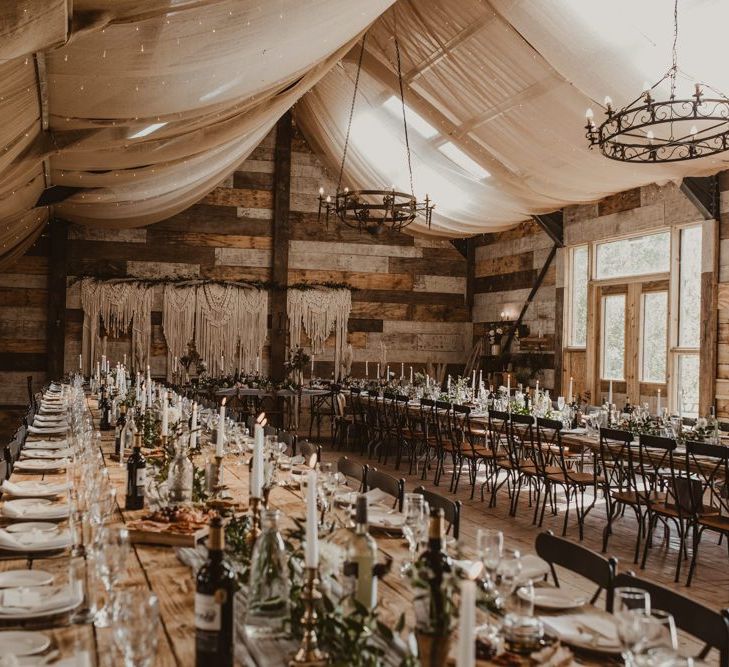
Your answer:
<point x="23" y="324"/>
<point x="506" y="267"/>
<point x="411" y="291"/>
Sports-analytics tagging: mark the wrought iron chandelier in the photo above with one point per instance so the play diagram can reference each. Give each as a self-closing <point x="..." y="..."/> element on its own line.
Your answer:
<point x="375" y="210"/>
<point x="651" y="130"/>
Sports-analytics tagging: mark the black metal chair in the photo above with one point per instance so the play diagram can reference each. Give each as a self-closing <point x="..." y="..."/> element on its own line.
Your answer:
<point x="617" y="462"/>
<point x="578" y="559"/>
<point x="708" y="626"/>
<point x="353" y="470"/>
<point x="451" y="508"/>
<point x="709" y="464"/>
<point x="392" y="486"/>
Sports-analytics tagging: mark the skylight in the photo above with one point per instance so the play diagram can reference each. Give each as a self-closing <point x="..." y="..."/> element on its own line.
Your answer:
<point x="147" y="130"/>
<point x="455" y="154"/>
<point x="418" y="123"/>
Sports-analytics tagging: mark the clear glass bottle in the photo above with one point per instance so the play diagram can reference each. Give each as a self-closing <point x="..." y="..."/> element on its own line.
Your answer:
<point x="179" y="477"/>
<point x="362" y="558"/>
<point x="269" y="581"/>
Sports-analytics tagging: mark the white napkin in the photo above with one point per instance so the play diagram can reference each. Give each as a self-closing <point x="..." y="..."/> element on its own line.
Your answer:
<point x="37" y="599"/>
<point x="50" y="419"/>
<point x="47" y="430"/>
<point x="532" y="567"/>
<point x="31" y="489"/>
<point x="36" y="541"/>
<point x="375" y="496"/>
<point x="34" y="453"/>
<point x="39" y="510"/>
<point x="578" y="627"/>
<point x="35" y="465"/>
<point x="46" y="444"/>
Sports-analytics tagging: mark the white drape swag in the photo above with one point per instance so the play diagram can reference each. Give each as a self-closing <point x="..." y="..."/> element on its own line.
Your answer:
<point x="144" y="107"/>
<point x="320" y="311"/>
<point x="149" y="105"/>
<point x="227" y="320"/>
<point x="119" y="305"/>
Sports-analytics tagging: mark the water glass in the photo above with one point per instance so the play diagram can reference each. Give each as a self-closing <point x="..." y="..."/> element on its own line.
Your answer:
<point x="111" y="554"/>
<point x="136" y="623"/>
<point x="414" y="511"/>
<point x="507" y="573"/>
<point x="659" y="641"/>
<point x="82" y="580"/>
<point x="631" y="606"/>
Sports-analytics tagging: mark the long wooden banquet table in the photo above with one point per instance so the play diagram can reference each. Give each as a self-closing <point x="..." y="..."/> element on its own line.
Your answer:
<point x="158" y="568"/>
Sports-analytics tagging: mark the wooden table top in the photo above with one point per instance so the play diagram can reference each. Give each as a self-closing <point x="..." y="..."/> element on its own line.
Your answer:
<point x="158" y="568"/>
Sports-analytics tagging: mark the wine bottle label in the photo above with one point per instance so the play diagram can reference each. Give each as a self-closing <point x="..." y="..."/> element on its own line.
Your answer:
<point x="208" y="614"/>
<point x="141" y="477"/>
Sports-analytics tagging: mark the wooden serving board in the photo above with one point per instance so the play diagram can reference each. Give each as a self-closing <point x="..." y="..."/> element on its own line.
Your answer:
<point x="167" y="537"/>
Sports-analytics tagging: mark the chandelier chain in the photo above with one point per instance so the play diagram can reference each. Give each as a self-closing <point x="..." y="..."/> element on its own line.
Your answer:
<point x="674" y="50"/>
<point x="404" y="117"/>
<point x="351" y="112"/>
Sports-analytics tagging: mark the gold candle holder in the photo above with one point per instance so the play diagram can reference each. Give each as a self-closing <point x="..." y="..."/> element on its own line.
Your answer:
<point x="218" y="485"/>
<point x="309" y="653"/>
<point x="254" y="506"/>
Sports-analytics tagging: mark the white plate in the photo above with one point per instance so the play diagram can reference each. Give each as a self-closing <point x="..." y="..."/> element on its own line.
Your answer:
<point x="30" y="526"/>
<point x="37" y="465"/>
<point x="34" y="509"/>
<point x="19" y="643"/>
<point x="38" y="542"/>
<point x="32" y="489"/>
<point x="22" y="614"/>
<point x="553" y="598"/>
<point x="26" y="578"/>
<point x="47" y="454"/>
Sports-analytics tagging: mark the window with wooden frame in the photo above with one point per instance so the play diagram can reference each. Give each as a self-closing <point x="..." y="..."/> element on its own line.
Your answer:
<point x="633" y="317"/>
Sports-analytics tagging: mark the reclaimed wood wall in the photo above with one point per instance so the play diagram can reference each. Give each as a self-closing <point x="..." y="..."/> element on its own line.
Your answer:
<point x="410" y="292"/>
<point x="23" y="324"/>
<point x="506" y="266"/>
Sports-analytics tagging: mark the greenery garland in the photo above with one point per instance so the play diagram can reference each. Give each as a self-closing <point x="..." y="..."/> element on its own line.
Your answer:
<point x="254" y="284"/>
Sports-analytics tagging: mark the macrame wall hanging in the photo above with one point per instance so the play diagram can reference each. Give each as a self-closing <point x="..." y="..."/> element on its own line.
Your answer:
<point x="119" y="305"/>
<point x="319" y="311"/>
<point x="230" y="321"/>
<point x="178" y="321"/>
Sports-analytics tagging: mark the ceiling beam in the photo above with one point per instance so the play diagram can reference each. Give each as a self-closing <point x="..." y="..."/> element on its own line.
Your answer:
<point x="703" y="192"/>
<point x="553" y="225"/>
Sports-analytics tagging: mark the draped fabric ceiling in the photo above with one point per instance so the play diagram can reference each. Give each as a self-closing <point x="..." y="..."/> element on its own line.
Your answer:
<point x="143" y="106"/>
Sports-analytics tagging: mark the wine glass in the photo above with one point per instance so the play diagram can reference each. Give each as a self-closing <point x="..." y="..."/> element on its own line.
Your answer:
<point x="659" y="640"/>
<point x="136" y="620"/>
<point x="490" y="546"/>
<point x="111" y="554"/>
<point x="560" y="403"/>
<point x="507" y="573"/>
<point x="414" y="511"/>
<point x="631" y="606"/>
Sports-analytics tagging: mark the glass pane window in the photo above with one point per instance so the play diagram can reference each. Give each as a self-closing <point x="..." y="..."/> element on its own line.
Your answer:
<point x="688" y="384"/>
<point x="613" y="337"/>
<point x="689" y="287"/>
<point x="654" y="336"/>
<point x="578" y="296"/>
<point x="635" y="256"/>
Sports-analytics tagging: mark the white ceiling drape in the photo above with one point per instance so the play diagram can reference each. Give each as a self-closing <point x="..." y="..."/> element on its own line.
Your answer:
<point x="199" y="82"/>
<point x="143" y="106"/>
<point x="508" y="82"/>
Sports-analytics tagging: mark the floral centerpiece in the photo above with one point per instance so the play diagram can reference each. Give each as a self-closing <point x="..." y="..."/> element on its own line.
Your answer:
<point x="495" y="334"/>
<point x="295" y="365"/>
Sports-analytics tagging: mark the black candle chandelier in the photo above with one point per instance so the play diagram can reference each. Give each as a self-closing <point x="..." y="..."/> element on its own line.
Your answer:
<point x="651" y="130"/>
<point x="375" y="210"/>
